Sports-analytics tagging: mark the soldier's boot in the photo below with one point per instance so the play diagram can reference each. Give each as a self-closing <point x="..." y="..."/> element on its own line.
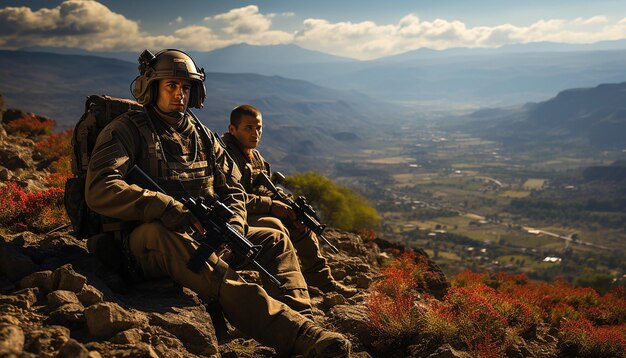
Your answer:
<point x="314" y="341"/>
<point x="315" y="269"/>
<point x="334" y="286"/>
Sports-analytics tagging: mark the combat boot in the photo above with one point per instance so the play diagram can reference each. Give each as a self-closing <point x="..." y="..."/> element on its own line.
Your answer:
<point x="314" y="341"/>
<point x="334" y="286"/>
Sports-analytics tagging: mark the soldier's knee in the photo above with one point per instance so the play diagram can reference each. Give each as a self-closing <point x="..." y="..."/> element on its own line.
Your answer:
<point x="272" y="223"/>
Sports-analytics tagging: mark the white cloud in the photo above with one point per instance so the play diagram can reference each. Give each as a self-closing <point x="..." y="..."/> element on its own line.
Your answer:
<point x="248" y="25"/>
<point x="367" y="40"/>
<point x="93" y="26"/>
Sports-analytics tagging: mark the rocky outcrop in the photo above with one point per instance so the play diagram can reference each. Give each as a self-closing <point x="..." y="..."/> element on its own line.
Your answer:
<point x="57" y="300"/>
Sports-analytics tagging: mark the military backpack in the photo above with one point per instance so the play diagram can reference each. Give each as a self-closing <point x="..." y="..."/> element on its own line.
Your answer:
<point x="100" y="110"/>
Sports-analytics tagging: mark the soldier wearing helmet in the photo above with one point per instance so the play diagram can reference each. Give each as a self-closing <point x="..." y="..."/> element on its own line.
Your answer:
<point x="167" y="141"/>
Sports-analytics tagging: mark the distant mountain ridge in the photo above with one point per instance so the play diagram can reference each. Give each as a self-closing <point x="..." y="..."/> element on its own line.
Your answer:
<point x="294" y="110"/>
<point x="595" y="116"/>
<point x="456" y="77"/>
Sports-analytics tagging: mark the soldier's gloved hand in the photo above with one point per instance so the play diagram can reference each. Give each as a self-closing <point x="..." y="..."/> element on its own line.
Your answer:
<point x="177" y="218"/>
<point x="282" y="210"/>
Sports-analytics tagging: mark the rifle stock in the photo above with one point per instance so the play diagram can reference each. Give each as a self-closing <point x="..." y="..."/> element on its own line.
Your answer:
<point x="304" y="212"/>
<point x="214" y="220"/>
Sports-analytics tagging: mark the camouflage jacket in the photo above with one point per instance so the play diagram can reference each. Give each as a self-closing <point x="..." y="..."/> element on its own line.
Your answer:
<point x="187" y="164"/>
<point x="259" y="197"/>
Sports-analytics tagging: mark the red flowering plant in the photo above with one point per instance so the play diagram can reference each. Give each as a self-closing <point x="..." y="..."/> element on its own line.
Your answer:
<point x="40" y="211"/>
<point x="581" y="338"/>
<point x="55" y="145"/>
<point x="31" y="126"/>
<point x="392" y="304"/>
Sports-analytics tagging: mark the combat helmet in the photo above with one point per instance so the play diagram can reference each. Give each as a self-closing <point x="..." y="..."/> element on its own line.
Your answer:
<point x="169" y="63"/>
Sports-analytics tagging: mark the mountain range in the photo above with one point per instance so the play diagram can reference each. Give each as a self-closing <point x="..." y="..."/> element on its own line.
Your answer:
<point x="300" y="117"/>
<point x="594" y="116"/>
<point x="450" y="79"/>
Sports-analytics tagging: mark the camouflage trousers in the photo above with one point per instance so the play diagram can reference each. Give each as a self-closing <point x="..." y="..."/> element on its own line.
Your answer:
<point x="160" y="252"/>
<point x="314" y="267"/>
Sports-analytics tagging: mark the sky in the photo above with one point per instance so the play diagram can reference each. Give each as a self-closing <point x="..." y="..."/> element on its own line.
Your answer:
<point x="360" y="29"/>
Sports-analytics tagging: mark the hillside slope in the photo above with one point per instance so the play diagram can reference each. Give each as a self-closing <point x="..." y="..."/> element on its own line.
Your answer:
<point x="593" y="117"/>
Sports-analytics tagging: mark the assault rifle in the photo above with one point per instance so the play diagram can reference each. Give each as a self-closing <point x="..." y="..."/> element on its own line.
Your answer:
<point x="304" y="212"/>
<point x="214" y="220"/>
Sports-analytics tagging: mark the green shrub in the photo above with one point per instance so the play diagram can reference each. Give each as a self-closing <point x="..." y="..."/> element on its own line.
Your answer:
<point x="338" y="206"/>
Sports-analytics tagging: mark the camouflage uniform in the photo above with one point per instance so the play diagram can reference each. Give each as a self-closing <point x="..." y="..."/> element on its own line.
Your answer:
<point x="314" y="266"/>
<point x="160" y="251"/>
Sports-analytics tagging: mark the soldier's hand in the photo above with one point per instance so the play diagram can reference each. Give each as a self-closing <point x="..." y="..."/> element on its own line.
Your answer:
<point x="178" y="218"/>
<point x="282" y="210"/>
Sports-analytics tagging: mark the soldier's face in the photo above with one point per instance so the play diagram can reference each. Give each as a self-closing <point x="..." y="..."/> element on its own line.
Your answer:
<point x="173" y="95"/>
<point x="248" y="132"/>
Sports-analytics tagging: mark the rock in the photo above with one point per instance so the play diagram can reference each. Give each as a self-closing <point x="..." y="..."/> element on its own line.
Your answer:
<point x="192" y="327"/>
<point x="339" y="273"/>
<point x="60" y="297"/>
<point x="14" y="264"/>
<point x="68" y="314"/>
<point x="334" y="299"/>
<point x="3" y="107"/>
<point x="514" y="352"/>
<point x="140" y="350"/>
<point x="11" y="338"/>
<point x="446" y="351"/>
<point x="90" y="296"/>
<point x="44" y="280"/>
<point x="129" y="336"/>
<point x="46" y="340"/>
<point x="107" y="318"/>
<point x="69" y="279"/>
<point x="362" y="280"/>
<point x="13" y="114"/>
<point x="27" y="297"/>
<point x="9" y="320"/>
<point x="14" y="157"/>
<point x="73" y="349"/>
<point x="22" y="299"/>
<point x="5" y="173"/>
<point x="352" y="319"/>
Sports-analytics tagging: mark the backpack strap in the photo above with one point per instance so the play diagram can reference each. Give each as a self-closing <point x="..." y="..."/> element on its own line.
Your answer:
<point x="146" y="128"/>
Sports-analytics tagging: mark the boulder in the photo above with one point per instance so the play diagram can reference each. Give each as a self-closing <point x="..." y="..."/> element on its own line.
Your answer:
<point x="3" y="107"/>
<point x="68" y="314"/>
<point x="73" y="349"/>
<point x="69" y="279"/>
<point x="447" y="351"/>
<point x="129" y="336"/>
<point x="90" y="296"/>
<point x="333" y="299"/>
<point x="15" y="157"/>
<point x="192" y="327"/>
<point x="44" y="280"/>
<point x="59" y="298"/>
<point x="11" y="339"/>
<point x="14" y="264"/>
<point x="107" y="318"/>
<point x="22" y="299"/>
<point x="351" y="319"/>
<point x="46" y="340"/>
<point x="5" y="174"/>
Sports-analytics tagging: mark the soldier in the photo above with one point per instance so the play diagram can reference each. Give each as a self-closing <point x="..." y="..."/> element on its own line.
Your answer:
<point x="167" y="141"/>
<point x="263" y="206"/>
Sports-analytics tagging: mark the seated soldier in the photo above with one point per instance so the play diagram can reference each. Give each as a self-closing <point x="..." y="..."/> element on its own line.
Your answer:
<point x="265" y="208"/>
<point x="168" y="142"/>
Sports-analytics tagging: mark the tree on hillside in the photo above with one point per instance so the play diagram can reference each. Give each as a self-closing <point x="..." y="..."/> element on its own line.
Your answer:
<point x="338" y="206"/>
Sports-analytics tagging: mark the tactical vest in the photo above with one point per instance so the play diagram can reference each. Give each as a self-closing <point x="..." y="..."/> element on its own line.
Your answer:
<point x="174" y="177"/>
